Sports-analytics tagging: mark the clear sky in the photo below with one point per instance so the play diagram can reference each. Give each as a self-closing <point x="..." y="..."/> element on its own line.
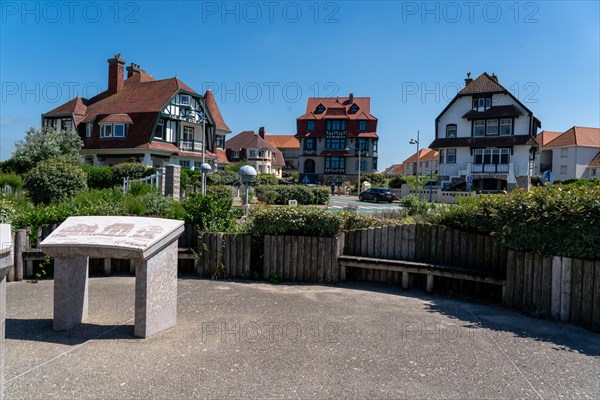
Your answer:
<point x="264" y="58"/>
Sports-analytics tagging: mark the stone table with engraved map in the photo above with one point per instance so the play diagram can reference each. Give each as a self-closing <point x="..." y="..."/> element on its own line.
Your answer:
<point x="150" y="244"/>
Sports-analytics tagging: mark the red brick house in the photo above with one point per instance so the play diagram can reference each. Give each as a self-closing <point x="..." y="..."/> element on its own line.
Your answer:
<point x="331" y="132"/>
<point x="252" y="147"/>
<point x="139" y="118"/>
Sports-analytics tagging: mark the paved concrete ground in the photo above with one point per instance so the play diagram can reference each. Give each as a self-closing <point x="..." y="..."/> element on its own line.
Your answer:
<point x="250" y="340"/>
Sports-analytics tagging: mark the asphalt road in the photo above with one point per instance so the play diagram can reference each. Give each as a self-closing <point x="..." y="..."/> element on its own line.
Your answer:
<point x="257" y="340"/>
<point x="339" y="203"/>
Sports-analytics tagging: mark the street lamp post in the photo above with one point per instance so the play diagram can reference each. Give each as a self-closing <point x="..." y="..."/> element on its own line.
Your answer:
<point x="359" y="165"/>
<point x="247" y="173"/>
<point x="413" y="141"/>
<point x="204" y="168"/>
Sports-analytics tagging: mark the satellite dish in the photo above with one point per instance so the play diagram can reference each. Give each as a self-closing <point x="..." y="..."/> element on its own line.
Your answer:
<point x="548" y="177"/>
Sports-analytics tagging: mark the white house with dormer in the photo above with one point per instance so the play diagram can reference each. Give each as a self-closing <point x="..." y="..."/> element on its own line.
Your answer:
<point x="486" y="138"/>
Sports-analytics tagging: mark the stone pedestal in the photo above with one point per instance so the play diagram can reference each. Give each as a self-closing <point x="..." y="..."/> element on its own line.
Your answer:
<point x="6" y="263"/>
<point x="156" y="292"/>
<point x="150" y="244"/>
<point x="70" y="291"/>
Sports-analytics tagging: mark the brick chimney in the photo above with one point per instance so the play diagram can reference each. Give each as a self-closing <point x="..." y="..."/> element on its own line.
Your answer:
<point x="133" y="69"/>
<point x="115" y="74"/>
<point x="468" y="80"/>
<point x="351" y="97"/>
<point x="261" y="132"/>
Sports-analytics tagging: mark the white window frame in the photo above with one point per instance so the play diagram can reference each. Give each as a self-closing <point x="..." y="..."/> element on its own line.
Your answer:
<point x="564" y="152"/>
<point x="565" y="169"/>
<point x="450" y="153"/>
<point x="235" y="154"/>
<point x="185" y="134"/>
<point x="491" y="123"/>
<point x="451" y="127"/>
<point x="161" y="122"/>
<point x="480" y="123"/>
<point x="505" y="122"/>
<point x="443" y="156"/>
<point x="184" y="164"/>
<point x="89" y="128"/>
<point x="185" y="96"/>
<point x="103" y="129"/>
<point x="114" y="130"/>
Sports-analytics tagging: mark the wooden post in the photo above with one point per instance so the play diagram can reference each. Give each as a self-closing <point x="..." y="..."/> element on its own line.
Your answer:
<point x="412" y="229"/>
<point x="426" y="243"/>
<point x="280" y="255"/>
<point x="20" y="245"/>
<point x="464" y="249"/>
<point x="405" y="280"/>
<point x="587" y="293"/>
<point x="457" y="247"/>
<point x="107" y="266"/>
<point x="321" y="259"/>
<point x="565" y="295"/>
<point x="308" y="259"/>
<point x="596" y="298"/>
<point x="314" y="254"/>
<point x="294" y="259"/>
<point x="430" y="283"/>
<point x="509" y="285"/>
<point x="398" y="242"/>
<point x="339" y="274"/>
<point x="556" y="286"/>
<point x="227" y="256"/>
<point x="519" y="272"/>
<point x="418" y="242"/>
<point x="300" y="259"/>
<point x="287" y="258"/>
<point x="546" y="286"/>
<point x="405" y="252"/>
<point x="576" y="290"/>
<point x="247" y="250"/>
<point x="433" y="247"/>
<point x="528" y="280"/>
<point x="538" y="265"/>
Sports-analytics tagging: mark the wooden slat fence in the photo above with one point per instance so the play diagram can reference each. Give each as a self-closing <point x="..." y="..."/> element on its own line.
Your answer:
<point x="223" y="255"/>
<point x="302" y="258"/>
<point x="428" y="243"/>
<point x="566" y="289"/>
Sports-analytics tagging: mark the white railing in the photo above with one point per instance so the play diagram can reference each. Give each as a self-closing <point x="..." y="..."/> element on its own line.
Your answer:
<point x="154" y="180"/>
<point x="190" y="145"/>
<point x="436" y="195"/>
<point x="489" y="168"/>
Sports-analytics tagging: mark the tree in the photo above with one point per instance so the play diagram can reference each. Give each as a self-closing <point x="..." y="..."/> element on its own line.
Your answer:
<point x="55" y="179"/>
<point x="46" y="144"/>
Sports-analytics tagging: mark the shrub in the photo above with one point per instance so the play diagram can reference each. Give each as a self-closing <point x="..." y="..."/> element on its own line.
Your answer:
<point x="7" y="211"/>
<point x="55" y="179"/>
<point x="211" y="213"/>
<point x="46" y="144"/>
<point x="415" y="205"/>
<point x="131" y="170"/>
<point x="375" y="178"/>
<point x="550" y="219"/>
<point x="227" y="178"/>
<point x="140" y="189"/>
<point x="266" y="179"/>
<point x="11" y="182"/>
<point x="135" y="206"/>
<point x="280" y="195"/>
<point x="99" y="177"/>
<point x="397" y="182"/>
<point x="220" y="191"/>
<point x="190" y="179"/>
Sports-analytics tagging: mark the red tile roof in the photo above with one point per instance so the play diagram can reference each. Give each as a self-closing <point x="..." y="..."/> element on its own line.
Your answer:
<point x="546" y="137"/>
<point x="394" y="169"/>
<point x="283" y="141"/>
<point x="124" y="118"/>
<point x="76" y="107"/>
<point x="336" y="107"/>
<point x="214" y="111"/>
<point x="221" y="157"/>
<point x="577" y="136"/>
<point x="595" y="163"/>
<point x="424" y="155"/>
<point x="251" y="139"/>
<point x="483" y="84"/>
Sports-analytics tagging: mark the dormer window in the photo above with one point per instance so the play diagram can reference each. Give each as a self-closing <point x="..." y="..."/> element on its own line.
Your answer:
<point x="310" y="125"/>
<point x="482" y="103"/>
<point x="362" y="126"/>
<point x="184" y="100"/>
<point x="354" y="108"/>
<point x="320" y="109"/>
<point x="117" y="131"/>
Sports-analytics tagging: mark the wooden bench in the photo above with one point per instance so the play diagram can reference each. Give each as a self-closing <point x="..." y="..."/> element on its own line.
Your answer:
<point x="35" y="254"/>
<point x="414" y="267"/>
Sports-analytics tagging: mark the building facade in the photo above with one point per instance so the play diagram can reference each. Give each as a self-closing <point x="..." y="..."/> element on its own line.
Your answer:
<point x="332" y="132"/>
<point x="486" y="137"/>
<point x="428" y="163"/>
<point x="251" y="147"/>
<point x="144" y="120"/>
<point x="570" y="154"/>
<point x="289" y="146"/>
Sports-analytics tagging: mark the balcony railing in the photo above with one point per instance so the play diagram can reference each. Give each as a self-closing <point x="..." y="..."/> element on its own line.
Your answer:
<point x="310" y="152"/>
<point x="489" y="168"/>
<point x="189" y="145"/>
<point x="335" y="170"/>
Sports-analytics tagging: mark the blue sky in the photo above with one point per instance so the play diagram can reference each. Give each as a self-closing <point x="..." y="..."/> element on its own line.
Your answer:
<point x="263" y="59"/>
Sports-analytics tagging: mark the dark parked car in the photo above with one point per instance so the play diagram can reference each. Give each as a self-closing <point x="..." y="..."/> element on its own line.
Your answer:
<point x="377" y="195"/>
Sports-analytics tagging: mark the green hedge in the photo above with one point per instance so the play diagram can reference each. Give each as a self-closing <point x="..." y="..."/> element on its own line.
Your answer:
<point x="55" y="179"/>
<point x="552" y="219"/>
<point x="305" y="195"/>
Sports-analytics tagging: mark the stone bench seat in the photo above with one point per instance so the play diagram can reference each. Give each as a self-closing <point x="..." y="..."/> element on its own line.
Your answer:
<point x="423" y="268"/>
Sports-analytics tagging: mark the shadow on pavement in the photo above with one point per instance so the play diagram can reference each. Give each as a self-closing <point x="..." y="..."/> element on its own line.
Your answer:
<point x="502" y="324"/>
<point x="40" y="330"/>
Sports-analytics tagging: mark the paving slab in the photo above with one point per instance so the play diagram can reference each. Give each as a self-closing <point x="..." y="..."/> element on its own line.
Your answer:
<point x="256" y="340"/>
